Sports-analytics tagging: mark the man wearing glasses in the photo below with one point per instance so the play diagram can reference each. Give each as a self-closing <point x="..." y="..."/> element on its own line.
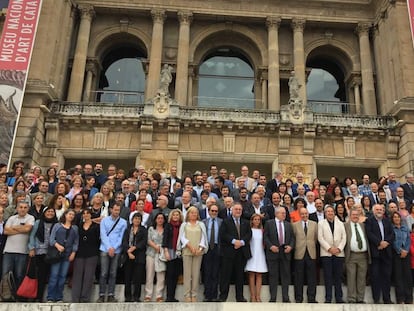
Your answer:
<point x="211" y="260"/>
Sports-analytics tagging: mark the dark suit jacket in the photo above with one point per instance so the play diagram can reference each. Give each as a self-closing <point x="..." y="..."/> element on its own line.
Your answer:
<point x="223" y="213"/>
<point x="140" y="241"/>
<point x="249" y="211"/>
<point x="374" y="236"/>
<point x="228" y="232"/>
<point x="271" y="237"/>
<point x="270" y="210"/>
<point x="408" y="193"/>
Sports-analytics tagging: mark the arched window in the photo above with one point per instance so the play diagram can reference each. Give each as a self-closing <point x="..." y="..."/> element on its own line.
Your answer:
<point x="123" y="78"/>
<point x="322" y="85"/>
<point x="326" y="87"/>
<point x="226" y="79"/>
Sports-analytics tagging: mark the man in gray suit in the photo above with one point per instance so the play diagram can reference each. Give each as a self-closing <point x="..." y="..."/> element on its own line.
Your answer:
<point x="211" y="260"/>
<point x="279" y="242"/>
<point x="357" y="257"/>
<point x="306" y="237"/>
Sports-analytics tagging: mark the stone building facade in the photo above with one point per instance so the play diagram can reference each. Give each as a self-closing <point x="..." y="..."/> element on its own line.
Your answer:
<point x="229" y="97"/>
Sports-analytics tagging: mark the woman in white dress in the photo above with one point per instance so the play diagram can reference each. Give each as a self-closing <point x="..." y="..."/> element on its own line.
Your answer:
<point x="256" y="265"/>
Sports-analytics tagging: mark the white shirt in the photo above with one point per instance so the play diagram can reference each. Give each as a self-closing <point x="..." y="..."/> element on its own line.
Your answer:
<point x="354" y="242"/>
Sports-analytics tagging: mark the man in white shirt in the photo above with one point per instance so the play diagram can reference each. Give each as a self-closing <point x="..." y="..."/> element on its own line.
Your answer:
<point x="17" y="229"/>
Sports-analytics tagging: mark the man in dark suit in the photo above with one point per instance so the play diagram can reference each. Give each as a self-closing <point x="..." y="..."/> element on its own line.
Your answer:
<point x="306" y="239"/>
<point x="409" y="189"/>
<point x="235" y="235"/>
<point x="226" y="211"/>
<point x="374" y="195"/>
<point x="381" y="236"/>
<point x="273" y="184"/>
<point x="356" y="257"/>
<point x="173" y="178"/>
<point x="279" y="242"/>
<point x="211" y="268"/>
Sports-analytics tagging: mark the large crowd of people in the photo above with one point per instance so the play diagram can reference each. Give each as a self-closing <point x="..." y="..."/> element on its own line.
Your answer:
<point x="208" y="227"/>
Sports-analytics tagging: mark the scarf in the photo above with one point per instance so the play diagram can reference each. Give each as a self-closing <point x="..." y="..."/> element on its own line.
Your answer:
<point x="175" y="231"/>
<point x="40" y="233"/>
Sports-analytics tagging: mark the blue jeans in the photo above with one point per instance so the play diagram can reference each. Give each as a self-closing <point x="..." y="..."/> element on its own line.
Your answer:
<point x="58" y="272"/>
<point x="109" y="267"/>
<point x="17" y="263"/>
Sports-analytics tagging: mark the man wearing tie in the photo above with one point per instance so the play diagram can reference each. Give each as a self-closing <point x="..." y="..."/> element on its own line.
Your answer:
<point x="235" y="235"/>
<point x="306" y="237"/>
<point x="356" y="257"/>
<point x="279" y="242"/>
<point x="226" y="211"/>
<point x="381" y="236"/>
<point x="212" y="257"/>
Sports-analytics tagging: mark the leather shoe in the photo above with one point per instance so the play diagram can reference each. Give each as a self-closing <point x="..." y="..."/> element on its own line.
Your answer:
<point x="339" y="301"/>
<point x="272" y="300"/>
<point x="312" y="301"/>
<point x="242" y="299"/>
<point x="286" y="301"/>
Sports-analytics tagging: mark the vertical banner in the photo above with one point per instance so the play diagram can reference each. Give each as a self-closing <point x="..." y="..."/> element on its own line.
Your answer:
<point x="410" y="5"/>
<point x="16" y="46"/>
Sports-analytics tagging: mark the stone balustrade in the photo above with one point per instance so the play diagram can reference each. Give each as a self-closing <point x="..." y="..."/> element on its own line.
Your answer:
<point x="68" y="110"/>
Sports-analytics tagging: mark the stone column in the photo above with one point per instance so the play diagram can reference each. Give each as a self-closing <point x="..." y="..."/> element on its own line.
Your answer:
<point x="273" y="24"/>
<point x="264" y="93"/>
<point x="90" y="74"/>
<point x="298" y="25"/>
<point x="158" y="17"/>
<point x="190" y="87"/>
<point x="181" y="79"/>
<point x="357" y="96"/>
<point x="79" y="61"/>
<point x="368" y="89"/>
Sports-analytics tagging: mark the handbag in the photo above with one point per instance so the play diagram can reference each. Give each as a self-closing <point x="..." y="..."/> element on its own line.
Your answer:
<point x="53" y="255"/>
<point x="28" y="287"/>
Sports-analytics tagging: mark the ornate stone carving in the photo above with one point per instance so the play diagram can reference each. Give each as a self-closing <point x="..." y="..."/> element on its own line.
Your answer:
<point x="296" y="105"/>
<point x="165" y="80"/>
<point x="363" y="28"/>
<point x="273" y="21"/>
<point x="158" y="16"/>
<point x="86" y="12"/>
<point x="298" y="24"/>
<point x="185" y="17"/>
